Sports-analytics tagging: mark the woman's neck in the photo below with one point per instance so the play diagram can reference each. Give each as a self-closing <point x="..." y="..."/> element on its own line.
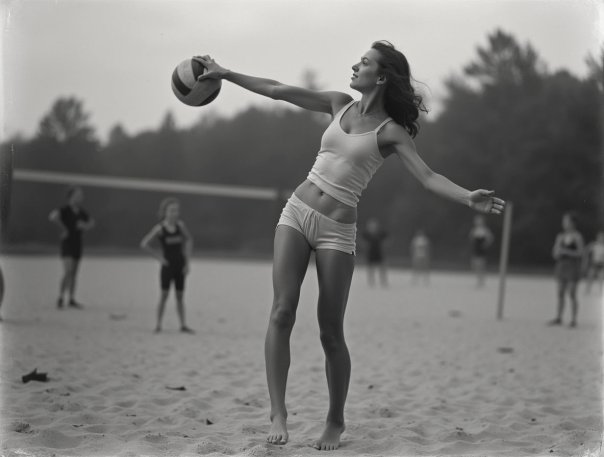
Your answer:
<point x="371" y="104"/>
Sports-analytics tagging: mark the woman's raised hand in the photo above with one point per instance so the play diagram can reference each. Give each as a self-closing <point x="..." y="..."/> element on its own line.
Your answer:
<point x="214" y="71"/>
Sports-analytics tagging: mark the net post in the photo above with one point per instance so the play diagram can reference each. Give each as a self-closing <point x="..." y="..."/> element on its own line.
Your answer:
<point x="503" y="257"/>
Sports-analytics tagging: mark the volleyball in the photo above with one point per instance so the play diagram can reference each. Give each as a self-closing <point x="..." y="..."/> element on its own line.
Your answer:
<point x="190" y="91"/>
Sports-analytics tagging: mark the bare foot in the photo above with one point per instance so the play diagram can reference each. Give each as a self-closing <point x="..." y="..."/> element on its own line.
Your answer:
<point x="330" y="439"/>
<point x="278" y="433"/>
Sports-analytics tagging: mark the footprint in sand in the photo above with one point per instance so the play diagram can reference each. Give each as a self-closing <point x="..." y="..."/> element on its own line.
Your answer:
<point x="259" y="450"/>
<point x="207" y="447"/>
<point x="155" y="438"/>
<point x="98" y="428"/>
<point x="56" y="440"/>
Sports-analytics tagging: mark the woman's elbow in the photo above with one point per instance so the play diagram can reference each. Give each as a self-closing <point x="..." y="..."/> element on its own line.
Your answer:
<point x="275" y="90"/>
<point x="427" y="180"/>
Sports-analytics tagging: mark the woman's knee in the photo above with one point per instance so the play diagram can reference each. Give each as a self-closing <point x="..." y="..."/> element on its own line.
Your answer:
<point x="282" y="315"/>
<point x="332" y="337"/>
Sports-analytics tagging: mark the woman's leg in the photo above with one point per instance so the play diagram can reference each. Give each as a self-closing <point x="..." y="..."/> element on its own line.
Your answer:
<point x="334" y="269"/>
<point x="479" y="268"/>
<point x="562" y="286"/>
<point x="290" y="261"/>
<point x="370" y="273"/>
<point x="572" y="293"/>
<point x="180" y="309"/>
<point x="163" y="296"/>
<point x="65" y="284"/>
<point x="383" y="273"/>
<point x="72" y="284"/>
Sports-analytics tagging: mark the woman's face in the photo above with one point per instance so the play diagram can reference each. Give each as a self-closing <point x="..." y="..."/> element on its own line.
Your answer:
<point x="366" y="73"/>
<point x="567" y="223"/>
<point x="172" y="212"/>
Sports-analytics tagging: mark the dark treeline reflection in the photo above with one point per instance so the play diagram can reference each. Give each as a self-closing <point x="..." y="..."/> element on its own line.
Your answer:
<point x="508" y="124"/>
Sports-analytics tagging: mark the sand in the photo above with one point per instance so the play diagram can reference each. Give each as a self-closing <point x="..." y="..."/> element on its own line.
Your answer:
<point x="434" y="373"/>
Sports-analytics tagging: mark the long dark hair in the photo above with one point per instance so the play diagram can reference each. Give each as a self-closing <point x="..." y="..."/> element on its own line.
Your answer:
<point x="401" y="102"/>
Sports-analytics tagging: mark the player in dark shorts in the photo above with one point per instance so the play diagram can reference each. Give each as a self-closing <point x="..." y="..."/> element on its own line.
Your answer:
<point x="480" y="240"/>
<point x="568" y="253"/>
<point x="176" y="246"/>
<point x="73" y="221"/>
<point x="374" y="236"/>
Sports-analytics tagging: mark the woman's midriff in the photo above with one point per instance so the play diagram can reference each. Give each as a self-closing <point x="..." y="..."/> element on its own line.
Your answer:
<point x="325" y="204"/>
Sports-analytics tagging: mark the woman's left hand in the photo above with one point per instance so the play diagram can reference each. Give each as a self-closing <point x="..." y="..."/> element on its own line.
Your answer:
<point x="483" y="201"/>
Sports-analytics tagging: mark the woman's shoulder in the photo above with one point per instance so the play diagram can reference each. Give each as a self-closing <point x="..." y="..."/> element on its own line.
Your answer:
<point x="340" y="100"/>
<point x="394" y="133"/>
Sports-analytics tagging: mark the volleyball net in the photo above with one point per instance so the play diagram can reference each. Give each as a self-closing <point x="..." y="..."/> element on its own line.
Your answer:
<point x="155" y="185"/>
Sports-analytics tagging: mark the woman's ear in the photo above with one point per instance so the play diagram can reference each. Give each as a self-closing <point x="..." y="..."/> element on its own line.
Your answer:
<point x="381" y="79"/>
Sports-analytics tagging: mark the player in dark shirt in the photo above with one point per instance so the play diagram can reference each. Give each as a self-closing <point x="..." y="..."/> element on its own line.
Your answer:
<point x="176" y="245"/>
<point x="73" y="221"/>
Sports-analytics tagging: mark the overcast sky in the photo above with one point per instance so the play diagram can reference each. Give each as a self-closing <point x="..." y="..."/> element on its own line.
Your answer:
<point x="118" y="56"/>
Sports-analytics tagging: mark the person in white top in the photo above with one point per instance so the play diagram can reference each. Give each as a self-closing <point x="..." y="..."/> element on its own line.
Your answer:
<point x="594" y="262"/>
<point x="321" y="214"/>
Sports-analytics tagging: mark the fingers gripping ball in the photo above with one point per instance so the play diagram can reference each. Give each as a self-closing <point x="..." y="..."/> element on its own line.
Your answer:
<point x="190" y="91"/>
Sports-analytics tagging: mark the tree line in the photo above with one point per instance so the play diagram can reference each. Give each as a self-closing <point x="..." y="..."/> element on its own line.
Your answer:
<point x="507" y="123"/>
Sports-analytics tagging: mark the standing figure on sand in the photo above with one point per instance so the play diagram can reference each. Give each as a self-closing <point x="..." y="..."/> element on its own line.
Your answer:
<point x="374" y="236"/>
<point x="73" y="220"/>
<point x="321" y="214"/>
<point x="420" y="257"/>
<point x="481" y="238"/>
<point x="568" y="254"/>
<point x="176" y="245"/>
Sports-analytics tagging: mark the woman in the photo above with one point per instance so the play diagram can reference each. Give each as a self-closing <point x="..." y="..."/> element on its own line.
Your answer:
<point x="321" y="214"/>
<point x="568" y="253"/>
<point x="73" y="221"/>
<point x="176" y="247"/>
<point x="480" y="240"/>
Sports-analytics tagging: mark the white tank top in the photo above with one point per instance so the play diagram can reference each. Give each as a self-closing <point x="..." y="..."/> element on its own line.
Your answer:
<point x="346" y="162"/>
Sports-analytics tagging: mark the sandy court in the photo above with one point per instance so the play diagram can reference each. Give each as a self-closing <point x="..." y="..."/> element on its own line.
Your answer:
<point x="433" y="372"/>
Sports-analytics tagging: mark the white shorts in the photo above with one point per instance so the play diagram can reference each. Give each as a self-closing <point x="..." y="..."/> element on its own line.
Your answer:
<point x="320" y="231"/>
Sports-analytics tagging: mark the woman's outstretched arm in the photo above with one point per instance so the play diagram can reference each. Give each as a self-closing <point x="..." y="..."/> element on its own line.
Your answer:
<point x="396" y="140"/>
<point x="321" y="101"/>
